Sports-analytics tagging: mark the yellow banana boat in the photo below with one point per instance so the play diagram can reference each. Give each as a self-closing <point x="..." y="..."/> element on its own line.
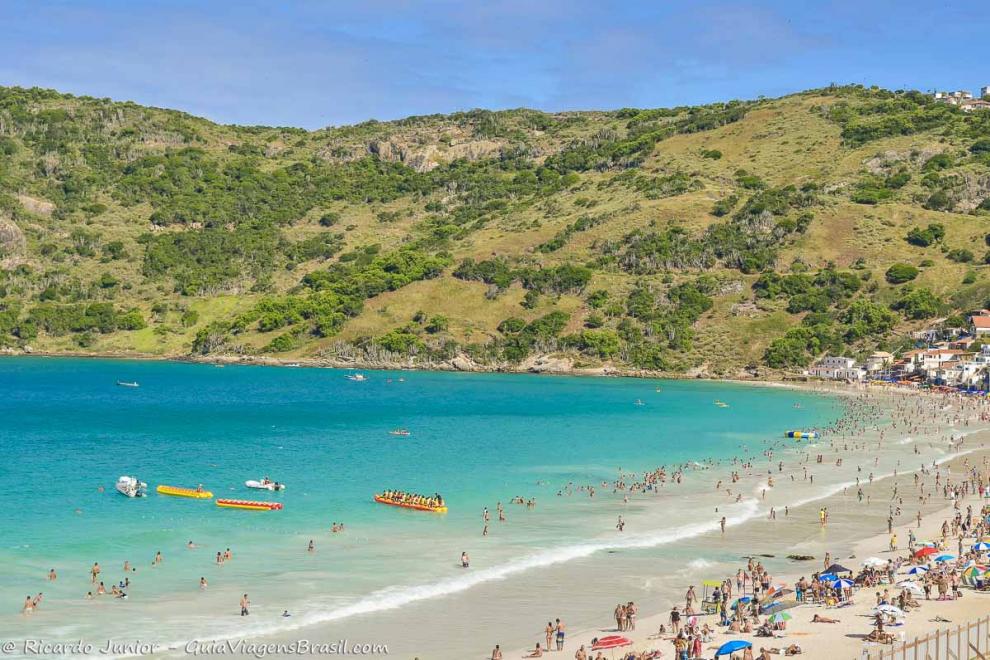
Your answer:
<point x="175" y="491"/>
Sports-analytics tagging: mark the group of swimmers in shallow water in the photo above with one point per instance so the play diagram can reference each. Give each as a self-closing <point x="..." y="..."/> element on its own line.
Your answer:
<point x="400" y="497"/>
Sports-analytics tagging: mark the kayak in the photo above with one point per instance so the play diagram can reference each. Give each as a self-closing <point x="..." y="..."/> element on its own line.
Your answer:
<point x="250" y="505"/>
<point x="271" y="485"/>
<point x="184" y="492"/>
<point x="408" y="505"/>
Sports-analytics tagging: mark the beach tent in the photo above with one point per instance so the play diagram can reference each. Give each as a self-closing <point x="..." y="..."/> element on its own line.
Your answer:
<point x="732" y="646"/>
<point x="837" y="568"/>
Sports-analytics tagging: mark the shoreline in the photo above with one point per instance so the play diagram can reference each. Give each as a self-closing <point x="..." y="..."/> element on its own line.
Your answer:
<point x="541" y="365"/>
<point x="800" y="629"/>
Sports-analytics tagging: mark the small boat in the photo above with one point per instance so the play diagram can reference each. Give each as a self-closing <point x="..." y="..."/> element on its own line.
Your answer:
<point x="801" y="435"/>
<point x="131" y="487"/>
<point x="356" y="377"/>
<point x="293" y="364"/>
<point x="249" y="505"/>
<point x="265" y="484"/>
<point x="721" y="404"/>
<point x="399" y="432"/>
<point x="128" y="383"/>
<point x="638" y="402"/>
<point x="176" y="491"/>
<point x="410" y="505"/>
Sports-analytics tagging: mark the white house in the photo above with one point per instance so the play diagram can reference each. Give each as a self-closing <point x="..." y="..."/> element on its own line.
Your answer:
<point x="878" y="361"/>
<point x="837" y="368"/>
<point x="981" y="325"/>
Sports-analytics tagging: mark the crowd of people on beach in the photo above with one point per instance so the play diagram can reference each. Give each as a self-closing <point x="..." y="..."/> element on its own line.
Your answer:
<point x="745" y="604"/>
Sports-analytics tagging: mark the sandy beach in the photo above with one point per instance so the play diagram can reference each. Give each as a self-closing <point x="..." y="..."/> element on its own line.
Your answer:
<point x="847" y="541"/>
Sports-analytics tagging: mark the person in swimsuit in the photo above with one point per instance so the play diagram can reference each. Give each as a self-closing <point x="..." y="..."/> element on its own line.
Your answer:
<point x="496" y="653"/>
<point x="202" y="583"/>
<point x="244" y="605"/>
<point x="95" y="571"/>
<point x="465" y="560"/>
<point x="28" y="606"/>
<point x="560" y="635"/>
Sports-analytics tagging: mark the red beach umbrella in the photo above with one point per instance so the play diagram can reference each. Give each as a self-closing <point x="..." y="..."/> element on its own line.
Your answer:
<point x="611" y="642"/>
<point x="924" y="552"/>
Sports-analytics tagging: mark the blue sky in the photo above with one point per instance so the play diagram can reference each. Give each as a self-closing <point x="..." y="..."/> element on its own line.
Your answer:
<point x="313" y="64"/>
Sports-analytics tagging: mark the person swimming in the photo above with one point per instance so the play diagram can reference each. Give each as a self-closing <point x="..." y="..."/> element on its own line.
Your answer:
<point x="465" y="560"/>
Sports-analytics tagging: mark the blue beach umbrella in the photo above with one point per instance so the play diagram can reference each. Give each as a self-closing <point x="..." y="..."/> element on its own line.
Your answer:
<point x="828" y="577"/>
<point x="918" y="570"/>
<point x="732" y="646"/>
<point x="981" y="546"/>
<point x="741" y="601"/>
<point x="945" y="558"/>
<point x="842" y="584"/>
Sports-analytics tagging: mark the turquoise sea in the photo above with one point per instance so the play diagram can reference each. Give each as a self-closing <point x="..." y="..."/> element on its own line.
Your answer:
<point x="68" y="431"/>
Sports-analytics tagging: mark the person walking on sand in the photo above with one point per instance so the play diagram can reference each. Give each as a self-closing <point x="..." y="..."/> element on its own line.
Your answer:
<point x="244" y="605"/>
<point x="721" y="524"/>
<point x="560" y="635"/>
<point x="95" y="571"/>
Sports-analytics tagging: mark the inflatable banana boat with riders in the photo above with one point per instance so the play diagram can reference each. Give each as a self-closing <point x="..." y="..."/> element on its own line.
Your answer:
<point x="175" y="491"/>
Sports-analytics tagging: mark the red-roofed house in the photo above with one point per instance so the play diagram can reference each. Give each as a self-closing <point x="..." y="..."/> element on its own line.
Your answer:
<point x="981" y="325"/>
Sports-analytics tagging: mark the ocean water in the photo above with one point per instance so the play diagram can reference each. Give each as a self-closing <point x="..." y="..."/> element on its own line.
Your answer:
<point x="67" y="431"/>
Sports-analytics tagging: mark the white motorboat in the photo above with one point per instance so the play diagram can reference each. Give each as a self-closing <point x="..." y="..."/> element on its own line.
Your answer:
<point x="357" y="377"/>
<point x="131" y="487"/>
<point x="264" y="484"/>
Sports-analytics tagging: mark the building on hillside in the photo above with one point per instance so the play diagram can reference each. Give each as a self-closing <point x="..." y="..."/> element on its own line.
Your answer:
<point x="974" y="104"/>
<point x="985" y="91"/>
<point x="980" y="325"/>
<point x="837" y="368"/>
<point x="953" y="98"/>
<point x="878" y="362"/>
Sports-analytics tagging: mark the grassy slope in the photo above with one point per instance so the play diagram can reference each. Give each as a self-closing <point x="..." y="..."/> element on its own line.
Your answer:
<point x="781" y="140"/>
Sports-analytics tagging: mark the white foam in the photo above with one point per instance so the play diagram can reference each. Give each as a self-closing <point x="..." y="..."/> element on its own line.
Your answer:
<point x="399" y="596"/>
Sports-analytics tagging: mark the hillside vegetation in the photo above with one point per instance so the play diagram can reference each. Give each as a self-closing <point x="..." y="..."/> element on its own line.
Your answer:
<point x="723" y="239"/>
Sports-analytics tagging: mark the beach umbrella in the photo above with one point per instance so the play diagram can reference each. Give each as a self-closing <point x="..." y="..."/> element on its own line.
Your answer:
<point x="930" y="544"/>
<point x="773" y="606"/>
<point x="926" y="551"/>
<point x="972" y="574"/>
<point x="842" y="584"/>
<point x="913" y="587"/>
<point x="780" y="617"/>
<point x="945" y="557"/>
<point x="611" y="642"/>
<point x="732" y="646"/>
<point x="741" y="601"/>
<point x="889" y="609"/>
<point x="981" y="546"/>
<point x="827" y="577"/>
<point x="918" y="570"/>
<point x="837" y="568"/>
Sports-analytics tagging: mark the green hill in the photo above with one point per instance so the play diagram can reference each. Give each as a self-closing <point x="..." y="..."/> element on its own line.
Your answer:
<point x="717" y="239"/>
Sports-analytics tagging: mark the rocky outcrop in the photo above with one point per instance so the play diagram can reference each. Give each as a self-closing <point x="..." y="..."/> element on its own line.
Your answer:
<point x="547" y="364"/>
